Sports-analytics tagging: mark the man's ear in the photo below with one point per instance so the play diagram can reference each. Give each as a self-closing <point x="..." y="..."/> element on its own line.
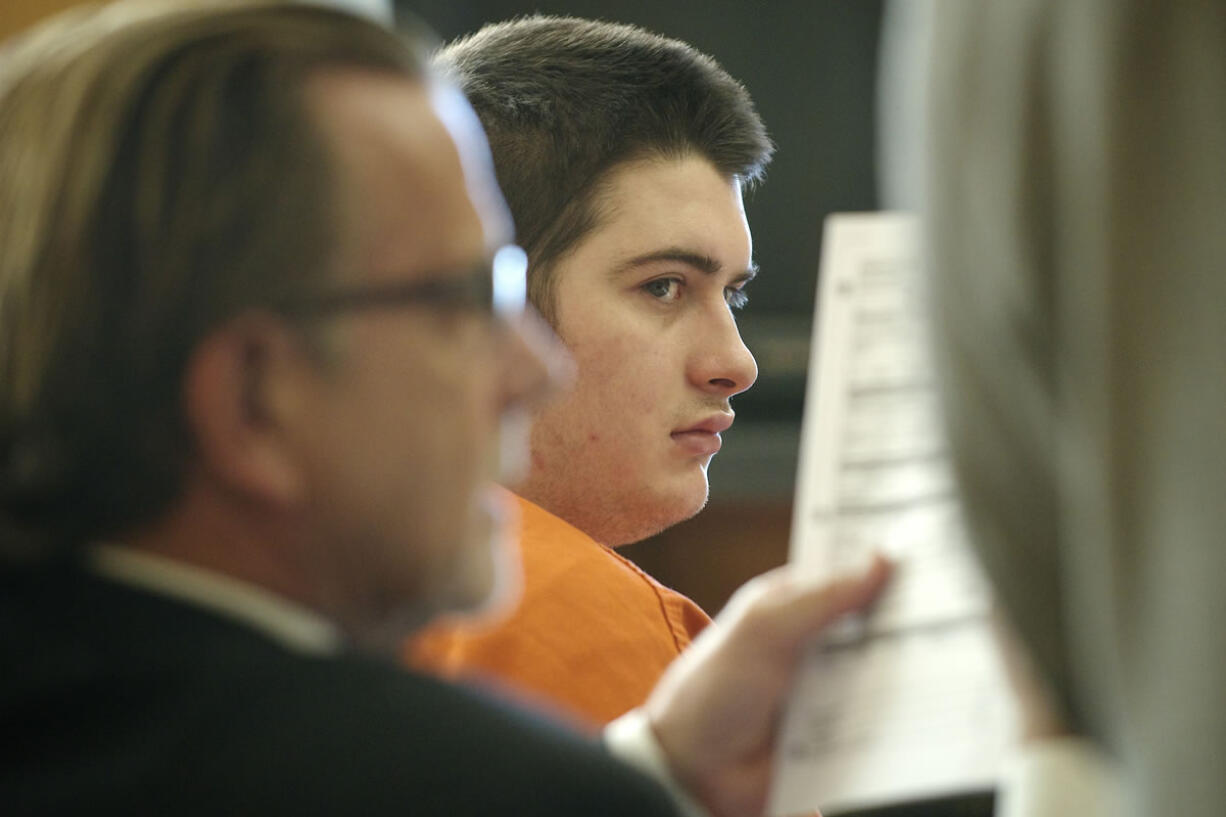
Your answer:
<point x="234" y="390"/>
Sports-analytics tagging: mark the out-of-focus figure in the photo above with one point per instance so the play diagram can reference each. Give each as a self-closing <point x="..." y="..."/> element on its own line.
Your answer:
<point x="1075" y="191"/>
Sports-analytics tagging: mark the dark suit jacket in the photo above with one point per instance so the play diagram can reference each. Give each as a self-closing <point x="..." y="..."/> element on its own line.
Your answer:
<point x="113" y="700"/>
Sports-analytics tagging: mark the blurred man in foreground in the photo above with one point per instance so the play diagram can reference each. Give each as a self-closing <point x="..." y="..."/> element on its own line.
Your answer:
<point x="259" y="326"/>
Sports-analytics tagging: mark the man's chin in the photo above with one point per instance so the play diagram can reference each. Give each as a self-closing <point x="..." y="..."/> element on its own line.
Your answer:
<point x="692" y="510"/>
<point x="693" y="496"/>
<point x="493" y="590"/>
<point x="486" y="579"/>
<point x="663" y="510"/>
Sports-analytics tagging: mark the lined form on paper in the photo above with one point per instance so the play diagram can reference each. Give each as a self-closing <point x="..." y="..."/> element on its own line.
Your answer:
<point x="911" y="702"/>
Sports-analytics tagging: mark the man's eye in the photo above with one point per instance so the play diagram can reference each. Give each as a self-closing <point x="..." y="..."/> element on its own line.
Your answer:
<point x="737" y="298"/>
<point x="666" y="289"/>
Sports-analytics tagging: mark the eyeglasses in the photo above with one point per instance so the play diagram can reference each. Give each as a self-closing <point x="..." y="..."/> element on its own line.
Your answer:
<point x="497" y="288"/>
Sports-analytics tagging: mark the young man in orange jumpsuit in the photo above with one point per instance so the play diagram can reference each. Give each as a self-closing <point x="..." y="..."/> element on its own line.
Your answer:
<point x="623" y="156"/>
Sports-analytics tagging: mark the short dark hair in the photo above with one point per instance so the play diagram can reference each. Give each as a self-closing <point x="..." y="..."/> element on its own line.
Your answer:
<point x="565" y="100"/>
<point x="159" y="173"/>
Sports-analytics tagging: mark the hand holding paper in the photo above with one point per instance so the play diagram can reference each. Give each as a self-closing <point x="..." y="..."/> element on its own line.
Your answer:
<point x="716" y="711"/>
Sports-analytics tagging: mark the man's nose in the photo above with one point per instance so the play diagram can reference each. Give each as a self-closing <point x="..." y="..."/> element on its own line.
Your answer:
<point x="721" y="363"/>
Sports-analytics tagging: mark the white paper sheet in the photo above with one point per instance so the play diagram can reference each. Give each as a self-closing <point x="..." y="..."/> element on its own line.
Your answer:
<point x="910" y="703"/>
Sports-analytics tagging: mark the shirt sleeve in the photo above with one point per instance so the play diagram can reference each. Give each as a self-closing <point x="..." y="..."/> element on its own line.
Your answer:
<point x="1058" y="777"/>
<point x="630" y="739"/>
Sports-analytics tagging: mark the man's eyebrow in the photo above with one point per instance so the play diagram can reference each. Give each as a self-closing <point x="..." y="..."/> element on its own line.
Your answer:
<point x="697" y="260"/>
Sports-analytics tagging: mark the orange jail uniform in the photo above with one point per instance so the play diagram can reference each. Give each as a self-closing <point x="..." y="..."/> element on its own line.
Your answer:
<point x="592" y="633"/>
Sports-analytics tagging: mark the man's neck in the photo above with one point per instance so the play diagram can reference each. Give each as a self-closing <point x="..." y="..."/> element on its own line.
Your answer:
<point x="227" y="539"/>
<point x="290" y="624"/>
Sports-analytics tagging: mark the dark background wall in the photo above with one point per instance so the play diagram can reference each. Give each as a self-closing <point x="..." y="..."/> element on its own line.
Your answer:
<point x="810" y="66"/>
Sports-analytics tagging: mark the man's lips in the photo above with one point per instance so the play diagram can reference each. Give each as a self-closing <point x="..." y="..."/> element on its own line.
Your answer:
<point x="702" y="438"/>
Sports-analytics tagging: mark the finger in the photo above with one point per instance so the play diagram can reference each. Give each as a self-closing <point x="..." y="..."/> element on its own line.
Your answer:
<point x="784" y="609"/>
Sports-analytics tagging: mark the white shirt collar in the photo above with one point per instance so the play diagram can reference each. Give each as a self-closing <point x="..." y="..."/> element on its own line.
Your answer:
<point x="286" y="622"/>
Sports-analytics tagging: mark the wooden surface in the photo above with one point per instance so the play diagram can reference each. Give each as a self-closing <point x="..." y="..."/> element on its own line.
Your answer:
<point x="714" y="553"/>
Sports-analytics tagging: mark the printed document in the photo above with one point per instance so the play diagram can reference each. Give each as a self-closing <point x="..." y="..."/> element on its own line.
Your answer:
<point x="910" y="702"/>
